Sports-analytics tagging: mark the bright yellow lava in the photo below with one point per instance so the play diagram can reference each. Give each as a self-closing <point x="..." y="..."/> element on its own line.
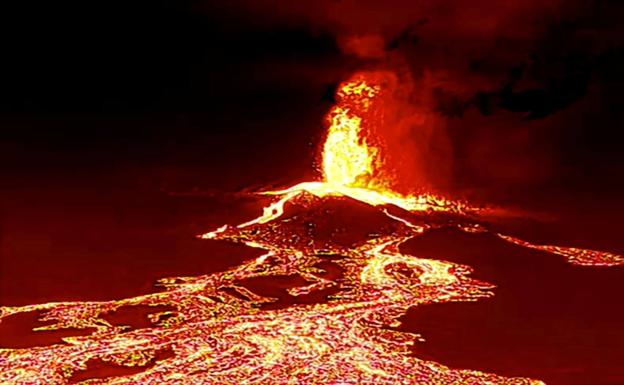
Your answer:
<point x="351" y="166"/>
<point x="219" y="332"/>
<point x="347" y="159"/>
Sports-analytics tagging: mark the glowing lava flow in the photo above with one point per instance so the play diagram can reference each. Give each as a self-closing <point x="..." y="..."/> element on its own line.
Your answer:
<point x="347" y="159"/>
<point x="221" y="332"/>
<point x="352" y="167"/>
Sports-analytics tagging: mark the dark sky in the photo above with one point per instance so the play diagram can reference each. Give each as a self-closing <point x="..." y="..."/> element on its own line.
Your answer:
<point x="180" y="94"/>
<point x="105" y="105"/>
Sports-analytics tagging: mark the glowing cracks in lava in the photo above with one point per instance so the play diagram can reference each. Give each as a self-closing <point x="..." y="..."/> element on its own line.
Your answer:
<point x="573" y="255"/>
<point x="220" y="333"/>
<point x="218" y="337"/>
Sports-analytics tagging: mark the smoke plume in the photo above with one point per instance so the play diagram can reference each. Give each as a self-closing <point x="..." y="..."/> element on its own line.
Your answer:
<point x="490" y="94"/>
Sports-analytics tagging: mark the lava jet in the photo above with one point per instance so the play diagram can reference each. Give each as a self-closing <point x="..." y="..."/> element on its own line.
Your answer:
<point x="324" y="301"/>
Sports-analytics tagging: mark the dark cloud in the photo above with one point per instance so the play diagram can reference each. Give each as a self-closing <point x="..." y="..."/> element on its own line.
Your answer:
<point x="493" y="94"/>
<point x="514" y="86"/>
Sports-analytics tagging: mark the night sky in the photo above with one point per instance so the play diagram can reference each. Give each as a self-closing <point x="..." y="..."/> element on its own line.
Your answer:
<point x="124" y="125"/>
<point x="182" y="95"/>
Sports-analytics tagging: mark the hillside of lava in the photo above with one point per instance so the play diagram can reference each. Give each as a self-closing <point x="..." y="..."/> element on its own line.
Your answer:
<point x="342" y="282"/>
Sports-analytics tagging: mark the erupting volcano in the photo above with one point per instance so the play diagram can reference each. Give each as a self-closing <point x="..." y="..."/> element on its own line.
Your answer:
<point x="355" y="279"/>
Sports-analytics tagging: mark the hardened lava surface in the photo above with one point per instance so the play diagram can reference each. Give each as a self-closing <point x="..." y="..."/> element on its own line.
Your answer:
<point x="213" y="329"/>
<point x="336" y="242"/>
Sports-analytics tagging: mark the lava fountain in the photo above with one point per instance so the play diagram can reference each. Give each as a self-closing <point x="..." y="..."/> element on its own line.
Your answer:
<point x="219" y="331"/>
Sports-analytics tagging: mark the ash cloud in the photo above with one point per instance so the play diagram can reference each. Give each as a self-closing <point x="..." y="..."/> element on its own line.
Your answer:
<point x="512" y="91"/>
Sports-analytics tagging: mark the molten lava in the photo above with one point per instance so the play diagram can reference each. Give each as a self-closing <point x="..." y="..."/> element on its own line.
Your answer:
<point x="352" y="166"/>
<point x="347" y="159"/>
<point x="220" y="332"/>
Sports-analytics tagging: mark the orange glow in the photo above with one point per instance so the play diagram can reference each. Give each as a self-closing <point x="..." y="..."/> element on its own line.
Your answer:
<point x="351" y="165"/>
<point x="220" y="333"/>
<point x="347" y="159"/>
<point x="573" y="255"/>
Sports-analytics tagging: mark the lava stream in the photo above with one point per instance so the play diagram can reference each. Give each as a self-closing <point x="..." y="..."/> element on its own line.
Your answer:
<point x="221" y="332"/>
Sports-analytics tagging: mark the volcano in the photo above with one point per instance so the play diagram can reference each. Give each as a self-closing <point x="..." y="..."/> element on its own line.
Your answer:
<point x="336" y="267"/>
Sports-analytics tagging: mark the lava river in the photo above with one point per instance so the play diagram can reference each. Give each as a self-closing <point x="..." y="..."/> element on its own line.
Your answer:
<point x="214" y="329"/>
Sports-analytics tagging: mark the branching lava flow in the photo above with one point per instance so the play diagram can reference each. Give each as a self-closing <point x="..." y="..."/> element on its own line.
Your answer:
<point x="221" y="332"/>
